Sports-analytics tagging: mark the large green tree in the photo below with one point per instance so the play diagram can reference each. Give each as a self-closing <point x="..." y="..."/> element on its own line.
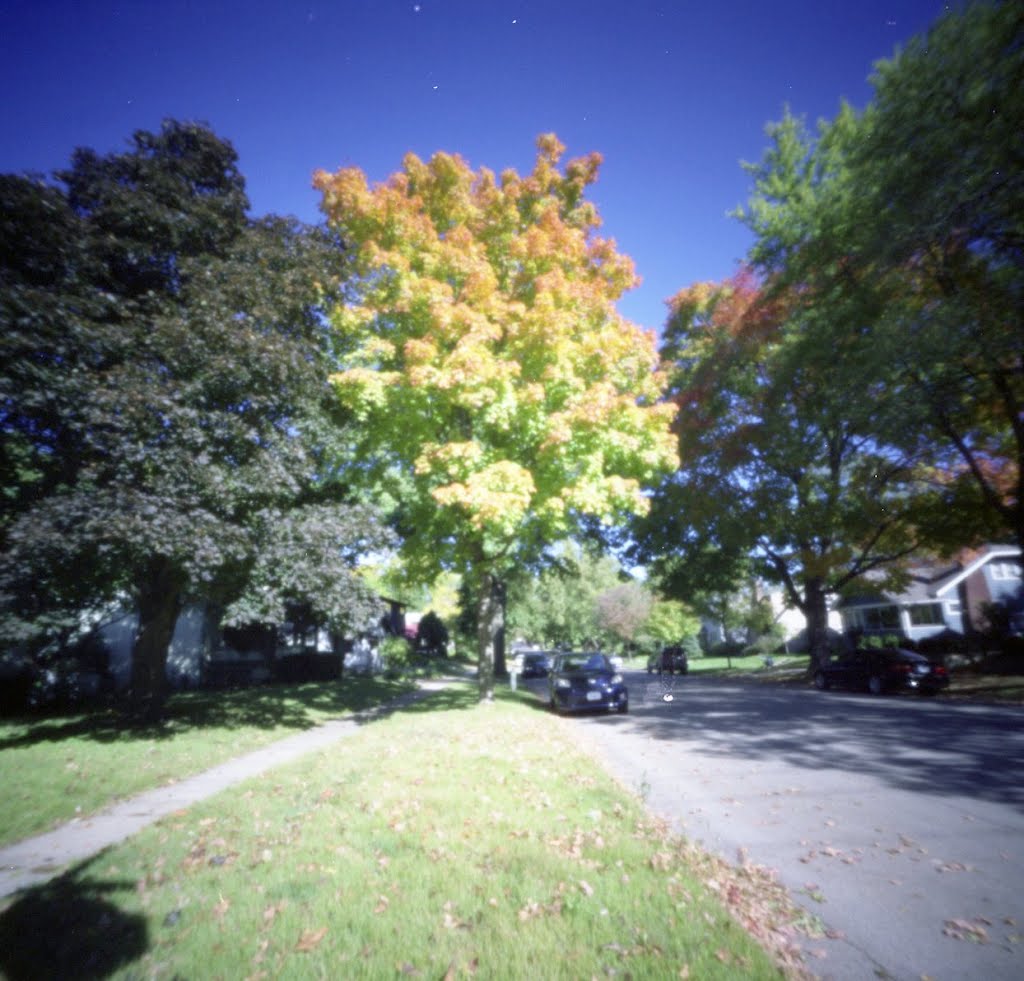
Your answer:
<point x="786" y="471"/>
<point x="502" y="397"/>
<point x="163" y="400"/>
<point x="899" y="231"/>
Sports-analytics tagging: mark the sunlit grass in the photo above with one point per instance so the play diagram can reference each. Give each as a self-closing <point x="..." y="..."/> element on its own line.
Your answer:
<point x="450" y="840"/>
<point x="55" y="768"/>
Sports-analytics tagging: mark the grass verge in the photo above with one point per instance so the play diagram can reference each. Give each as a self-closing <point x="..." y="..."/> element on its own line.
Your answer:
<point x="58" y="767"/>
<point x="449" y="840"/>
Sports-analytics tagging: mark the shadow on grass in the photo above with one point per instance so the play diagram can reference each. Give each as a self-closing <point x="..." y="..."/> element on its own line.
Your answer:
<point x="68" y="929"/>
<point x="284" y="706"/>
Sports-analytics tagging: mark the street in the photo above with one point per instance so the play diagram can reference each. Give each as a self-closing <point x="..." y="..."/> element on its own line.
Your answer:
<point x="897" y="821"/>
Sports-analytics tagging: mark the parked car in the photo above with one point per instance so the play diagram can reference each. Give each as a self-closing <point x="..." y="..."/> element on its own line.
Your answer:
<point x="670" y="659"/>
<point x="578" y="682"/>
<point x="877" y="671"/>
<point x="536" y="664"/>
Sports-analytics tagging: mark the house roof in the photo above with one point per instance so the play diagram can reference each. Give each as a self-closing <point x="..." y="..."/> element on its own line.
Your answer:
<point x="984" y="555"/>
<point x="929" y="582"/>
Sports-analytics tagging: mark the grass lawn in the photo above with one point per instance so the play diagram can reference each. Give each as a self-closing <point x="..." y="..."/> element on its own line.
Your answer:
<point x="450" y="840"/>
<point x="55" y="768"/>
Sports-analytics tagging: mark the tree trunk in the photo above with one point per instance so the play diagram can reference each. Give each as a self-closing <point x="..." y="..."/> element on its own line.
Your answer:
<point x="490" y="631"/>
<point x="500" y="669"/>
<point x="816" y="612"/>
<point x="159" y="599"/>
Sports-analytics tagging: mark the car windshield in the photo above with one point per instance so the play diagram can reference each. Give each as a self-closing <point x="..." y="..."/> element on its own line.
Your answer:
<point x="584" y="662"/>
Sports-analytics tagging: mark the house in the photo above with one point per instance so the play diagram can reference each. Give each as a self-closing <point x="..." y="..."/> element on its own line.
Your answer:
<point x="940" y="597"/>
<point x="791" y="622"/>
<point x="203" y="654"/>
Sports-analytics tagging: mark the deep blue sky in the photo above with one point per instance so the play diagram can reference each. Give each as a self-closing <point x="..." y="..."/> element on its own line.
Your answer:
<point x="673" y="94"/>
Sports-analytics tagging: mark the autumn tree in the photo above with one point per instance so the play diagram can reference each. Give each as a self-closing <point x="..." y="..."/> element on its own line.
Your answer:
<point x="785" y="470"/>
<point x="501" y="396"/>
<point x="899" y="231"/>
<point x="624" y="610"/>
<point x="164" y="402"/>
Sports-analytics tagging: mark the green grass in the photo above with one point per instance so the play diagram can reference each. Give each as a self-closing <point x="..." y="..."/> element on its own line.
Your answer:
<point x="449" y="840"/>
<point x="58" y="767"/>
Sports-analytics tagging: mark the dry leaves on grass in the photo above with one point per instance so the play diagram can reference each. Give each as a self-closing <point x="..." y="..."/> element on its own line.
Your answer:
<point x="220" y="910"/>
<point x="749" y="892"/>
<point x="311" y="939"/>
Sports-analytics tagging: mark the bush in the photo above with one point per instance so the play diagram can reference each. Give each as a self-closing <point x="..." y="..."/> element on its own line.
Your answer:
<point x="294" y="668"/>
<point x="941" y="644"/>
<point x="432" y="637"/>
<point x="691" y="647"/>
<point x="726" y="648"/>
<point x="764" y="646"/>
<point x="397" y="654"/>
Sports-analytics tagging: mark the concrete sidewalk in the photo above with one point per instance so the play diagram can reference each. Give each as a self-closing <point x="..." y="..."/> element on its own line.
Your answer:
<point x="39" y="859"/>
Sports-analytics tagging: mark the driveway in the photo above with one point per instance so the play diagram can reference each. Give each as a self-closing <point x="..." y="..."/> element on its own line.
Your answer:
<point x="897" y="821"/>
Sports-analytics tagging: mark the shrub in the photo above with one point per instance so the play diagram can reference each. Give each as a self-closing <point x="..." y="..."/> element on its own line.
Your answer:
<point x="941" y="644"/>
<point x="396" y="653"/>
<point x="691" y="647"/>
<point x="765" y="645"/>
<point x="726" y="648"/>
<point x="432" y="637"/>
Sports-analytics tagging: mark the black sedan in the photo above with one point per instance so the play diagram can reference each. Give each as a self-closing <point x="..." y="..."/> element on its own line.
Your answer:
<point x="578" y="682"/>
<point x="887" y="669"/>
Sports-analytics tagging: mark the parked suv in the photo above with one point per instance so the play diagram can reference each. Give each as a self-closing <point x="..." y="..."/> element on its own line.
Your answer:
<point x="671" y="659"/>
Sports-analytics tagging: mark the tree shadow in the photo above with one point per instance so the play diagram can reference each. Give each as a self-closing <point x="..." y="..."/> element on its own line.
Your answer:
<point x="922" y="745"/>
<point x="286" y="706"/>
<point x="68" y="929"/>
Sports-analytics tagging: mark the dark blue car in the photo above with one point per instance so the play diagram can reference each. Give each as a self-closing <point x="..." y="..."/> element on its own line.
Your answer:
<point x="578" y="682"/>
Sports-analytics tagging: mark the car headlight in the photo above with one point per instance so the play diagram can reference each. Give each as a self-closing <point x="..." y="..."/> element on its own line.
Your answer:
<point x="562" y="683"/>
<point x="617" y="679"/>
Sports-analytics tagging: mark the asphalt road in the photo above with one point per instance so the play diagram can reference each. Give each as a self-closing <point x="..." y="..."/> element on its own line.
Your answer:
<point x="897" y="821"/>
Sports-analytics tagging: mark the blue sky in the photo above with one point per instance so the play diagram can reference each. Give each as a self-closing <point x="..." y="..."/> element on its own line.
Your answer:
<point x="673" y="94"/>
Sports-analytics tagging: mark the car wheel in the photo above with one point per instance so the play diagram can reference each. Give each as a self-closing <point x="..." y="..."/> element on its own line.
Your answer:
<point x="820" y="681"/>
<point x="875" y="685"/>
<point x="624" y="706"/>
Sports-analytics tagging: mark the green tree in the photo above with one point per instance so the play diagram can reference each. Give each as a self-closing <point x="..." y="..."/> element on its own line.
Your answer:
<point x="500" y="395"/>
<point x="163" y="399"/>
<point x="903" y="227"/>
<point x="784" y="467"/>
<point x="670" y="621"/>
<point x="558" y="607"/>
<point x="433" y="634"/>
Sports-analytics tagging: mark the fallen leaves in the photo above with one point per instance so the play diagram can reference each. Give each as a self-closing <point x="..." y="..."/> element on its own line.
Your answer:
<point x="975" y="931"/>
<point x="311" y="939"/>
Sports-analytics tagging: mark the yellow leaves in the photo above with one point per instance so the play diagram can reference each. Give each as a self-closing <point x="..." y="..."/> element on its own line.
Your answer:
<point x="451" y="459"/>
<point x="493" y="499"/>
<point x="419" y="351"/>
<point x="363" y="389"/>
<point x="550" y="148"/>
<point x="496" y="298"/>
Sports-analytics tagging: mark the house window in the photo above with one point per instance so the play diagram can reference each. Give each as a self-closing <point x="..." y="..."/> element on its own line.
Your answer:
<point x="925" y="614"/>
<point x="1005" y="570"/>
<point x="953" y="607"/>
<point x="880" y="618"/>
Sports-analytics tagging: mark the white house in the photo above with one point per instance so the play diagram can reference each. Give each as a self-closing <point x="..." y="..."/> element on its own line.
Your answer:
<point x="950" y="596"/>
